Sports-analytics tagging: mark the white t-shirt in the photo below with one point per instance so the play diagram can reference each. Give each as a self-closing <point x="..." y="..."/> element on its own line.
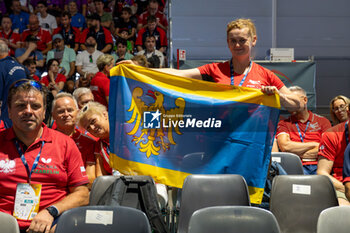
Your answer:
<point x="83" y="59"/>
<point x="48" y="23"/>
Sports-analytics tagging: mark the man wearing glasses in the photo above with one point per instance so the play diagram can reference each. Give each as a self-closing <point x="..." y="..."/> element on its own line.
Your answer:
<point x="86" y="60"/>
<point x="41" y="170"/>
<point x="301" y="133"/>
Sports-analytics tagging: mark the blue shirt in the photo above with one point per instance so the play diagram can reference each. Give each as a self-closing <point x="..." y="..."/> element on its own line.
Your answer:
<point x="78" y="20"/>
<point x="20" y="21"/>
<point x="10" y="71"/>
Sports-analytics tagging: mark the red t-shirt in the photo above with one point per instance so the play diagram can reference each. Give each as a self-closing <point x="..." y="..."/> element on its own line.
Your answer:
<point x="333" y="146"/>
<point x="44" y="38"/>
<point x="60" y="167"/>
<point x="59" y="78"/>
<point x="100" y="88"/>
<point x="86" y="146"/>
<point x="159" y="15"/>
<point x="13" y="37"/>
<point x="258" y="76"/>
<point x="102" y="149"/>
<point x="317" y="126"/>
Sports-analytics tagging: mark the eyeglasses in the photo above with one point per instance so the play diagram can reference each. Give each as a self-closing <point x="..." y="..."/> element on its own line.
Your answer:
<point x="339" y="108"/>
<point x="90" y="57"/>
<point x="33" y="83"/>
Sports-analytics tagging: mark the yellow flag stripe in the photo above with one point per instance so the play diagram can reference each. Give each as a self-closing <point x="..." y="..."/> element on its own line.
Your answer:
<point x="202" y="88"/>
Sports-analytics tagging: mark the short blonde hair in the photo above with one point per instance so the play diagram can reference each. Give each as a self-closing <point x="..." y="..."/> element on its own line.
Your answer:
<point x="339" y="97"/>
<point x="242" y="23"/>
<point x="89" y="109"/>
<point x="103" y="60"/>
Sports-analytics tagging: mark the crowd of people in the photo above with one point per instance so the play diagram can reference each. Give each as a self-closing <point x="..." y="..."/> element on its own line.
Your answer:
<point x="55" y="127"/>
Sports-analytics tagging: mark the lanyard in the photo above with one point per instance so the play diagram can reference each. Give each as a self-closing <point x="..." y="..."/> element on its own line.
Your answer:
<point x="347" y="132"/>
<point x="106" y="156"/>
<point x="302" y="136"/>
<point x="232" y="75"/>
<point x="25" y="163"/>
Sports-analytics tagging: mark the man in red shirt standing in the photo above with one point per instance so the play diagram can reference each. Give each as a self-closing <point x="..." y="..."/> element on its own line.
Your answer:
<point x="44" y="43"/>
<point x="41" y="170"/>
<point x="301" y="133"/>
<point x="100" y="82"/>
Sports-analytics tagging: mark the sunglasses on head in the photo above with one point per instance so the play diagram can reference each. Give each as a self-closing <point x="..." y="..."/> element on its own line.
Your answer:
<point x="33" y="83"/>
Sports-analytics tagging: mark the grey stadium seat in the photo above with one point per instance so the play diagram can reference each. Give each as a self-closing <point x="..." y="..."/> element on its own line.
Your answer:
<point x="290" y="162"/>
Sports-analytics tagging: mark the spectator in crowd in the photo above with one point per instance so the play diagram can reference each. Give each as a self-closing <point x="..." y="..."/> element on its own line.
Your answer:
<point x="94" y="118"/>
<point x="12" y="39"/>
<point x="65" y="55"/>
<point x="125" y="24"/>
<point x="240" y="70"/>
<point x="152" y="9"/>
<point x="58" y="178"/>
<point x="106" y="17"/>
<point x="19" y="18"/>
<point x="86" y="60"/>
<point x="150" y="50"/>
<point x="44" y="43"/>
<point x="140" y="60"/>
<point x="119" y="5"/>
<point x="7" y="64"/>
<point x="301" y="133"/>
<point x="121" y="52"/>
<point x="53" y="80"/>
<point x="80" y="4"/>
<point x="331" y="157"/>
<point x="70" y="34"/>
<point x="30" y="51"/>
<point x="100" y="82"/>
<point x="78" y="20"/>
<point x="83" y="96"/>
<point x="103" y="36"/>
<point x="339" y="108"/>
<point x="46" y="21"/>
<point x="30" y="64"/>
<point x="64" y="112"/>
<point x="152" y="30"/>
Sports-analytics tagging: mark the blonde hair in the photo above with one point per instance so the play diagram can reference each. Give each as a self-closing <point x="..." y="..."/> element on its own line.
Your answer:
<point x="339" y="97"/>
<point x="242" y="23"/>
<point x="103" y="60"/>
<point x="89" y="109"/>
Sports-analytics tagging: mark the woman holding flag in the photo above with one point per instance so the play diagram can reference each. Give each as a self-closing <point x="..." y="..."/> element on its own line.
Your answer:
<point x="240" y="70"/>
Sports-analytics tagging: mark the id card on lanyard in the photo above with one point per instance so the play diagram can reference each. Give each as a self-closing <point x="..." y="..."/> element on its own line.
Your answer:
<point x="27" y="194"/>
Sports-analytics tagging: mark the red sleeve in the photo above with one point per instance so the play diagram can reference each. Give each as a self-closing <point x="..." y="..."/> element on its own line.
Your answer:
<point x="24" y="35"/>
<point x="75" y="167"/>
<point x="60" y="78"/>
<point x="274" y="80"/>
<point x="139" y="37"/>
<point x="163" y="38"/>
<point x="327" y="145"/>
<point x="206" y="69"/>
<point x="47" y="37"/>
<point x="15" y="37"/>
<point x="105" y="88"/>
<point x="325" y="124"/>
<point x="56" y="31"/>
<point x="83" y="36"/>
<point x="108" y="36"/>
<point x="141" y="19"/>
<point x="164" y="21"/>
<point x="77" y="35"/>
<point x="45" y="80"/>
<point x="282" y="128"/>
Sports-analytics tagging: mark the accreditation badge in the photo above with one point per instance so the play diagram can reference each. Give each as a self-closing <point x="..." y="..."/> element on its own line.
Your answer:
<point x="27" y="201"/>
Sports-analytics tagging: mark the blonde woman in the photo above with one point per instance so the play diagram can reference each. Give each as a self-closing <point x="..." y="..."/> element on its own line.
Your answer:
<point x="339" y="109"/>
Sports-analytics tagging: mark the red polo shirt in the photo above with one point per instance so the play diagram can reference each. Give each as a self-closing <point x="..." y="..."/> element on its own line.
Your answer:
<point x="13" y="37"/>
<point x="333" y="146"/>
<point x="86" y="146"/>
<point x="60" y="167"/>
<point x="43" y="36"/>
<point x="313" y="133"/>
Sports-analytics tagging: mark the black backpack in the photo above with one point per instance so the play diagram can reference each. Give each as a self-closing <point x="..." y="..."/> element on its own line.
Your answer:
<point x="136" y="192"/>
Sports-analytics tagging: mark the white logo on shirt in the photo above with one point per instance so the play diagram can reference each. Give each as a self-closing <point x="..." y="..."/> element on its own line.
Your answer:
<point x="46" y="160"/>
<point x="314" y="127"/>
<point x="7" y="166"/>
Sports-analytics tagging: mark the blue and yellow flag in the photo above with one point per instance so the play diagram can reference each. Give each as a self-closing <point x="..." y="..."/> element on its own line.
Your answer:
<point x="169" y="127"/>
